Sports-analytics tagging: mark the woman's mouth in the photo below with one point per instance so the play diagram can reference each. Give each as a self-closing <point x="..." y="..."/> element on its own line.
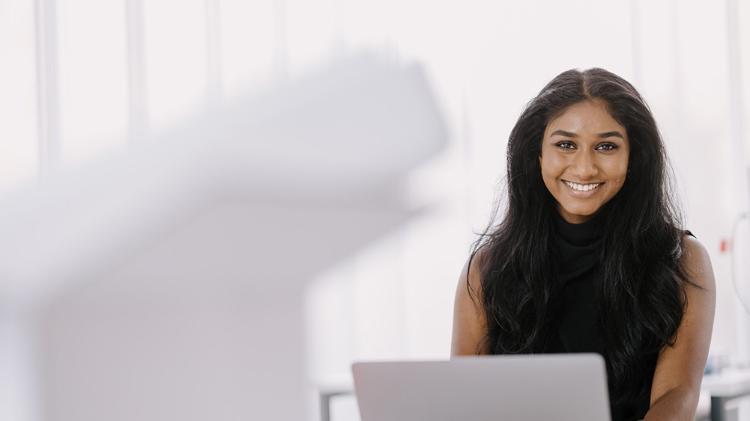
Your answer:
<point x="582" y="189"/>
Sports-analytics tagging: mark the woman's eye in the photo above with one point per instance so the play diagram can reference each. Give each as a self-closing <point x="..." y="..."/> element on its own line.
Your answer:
<point x="607" y="147"/>
<point x="565" y="145"/>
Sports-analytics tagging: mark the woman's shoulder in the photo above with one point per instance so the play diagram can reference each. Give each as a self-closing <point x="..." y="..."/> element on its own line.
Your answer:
<point x="472" y="271"/>
<point x="469" y="322"/>
<point x="696" y="261"/>
<point x="691" y="246"/>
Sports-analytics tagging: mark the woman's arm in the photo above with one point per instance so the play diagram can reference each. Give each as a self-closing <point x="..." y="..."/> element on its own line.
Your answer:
<point x="469" y="327"/>
<point x="679" y="368"/>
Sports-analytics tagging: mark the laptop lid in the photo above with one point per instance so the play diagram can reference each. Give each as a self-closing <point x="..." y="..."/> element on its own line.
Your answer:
<point x="541" y="387"/>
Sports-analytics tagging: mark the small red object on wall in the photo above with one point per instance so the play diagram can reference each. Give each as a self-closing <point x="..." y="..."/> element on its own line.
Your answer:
<point x="724" y="245"/>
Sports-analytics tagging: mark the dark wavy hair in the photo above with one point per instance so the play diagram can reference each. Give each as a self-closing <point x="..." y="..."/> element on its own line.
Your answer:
<point x="641" y="297"/>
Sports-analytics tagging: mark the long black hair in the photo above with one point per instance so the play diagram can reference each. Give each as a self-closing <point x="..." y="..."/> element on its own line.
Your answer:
<point x="641" y="296"/>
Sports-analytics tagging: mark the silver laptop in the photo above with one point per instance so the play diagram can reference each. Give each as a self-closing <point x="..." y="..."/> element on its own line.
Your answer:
<point x="543" y="387"/>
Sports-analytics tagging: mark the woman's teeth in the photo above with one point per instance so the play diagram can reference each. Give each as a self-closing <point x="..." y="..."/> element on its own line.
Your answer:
<point x="582" y="187"/>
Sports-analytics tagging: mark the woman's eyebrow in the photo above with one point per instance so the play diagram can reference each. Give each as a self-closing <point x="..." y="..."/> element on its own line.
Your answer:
<point x="614" y="133"/>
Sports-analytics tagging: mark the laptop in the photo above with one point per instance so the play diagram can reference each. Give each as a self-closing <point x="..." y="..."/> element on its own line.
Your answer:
<point x="541" y="387"/>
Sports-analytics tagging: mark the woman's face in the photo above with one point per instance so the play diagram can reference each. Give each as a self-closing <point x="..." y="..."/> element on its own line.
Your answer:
<point x="584" y="159"/>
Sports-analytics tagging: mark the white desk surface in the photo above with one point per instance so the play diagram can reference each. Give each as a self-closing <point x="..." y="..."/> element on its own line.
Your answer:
<point x="729" y="382"/>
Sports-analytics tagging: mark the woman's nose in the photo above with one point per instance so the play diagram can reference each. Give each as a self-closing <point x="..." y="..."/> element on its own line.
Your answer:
<point x="585" y="165"/>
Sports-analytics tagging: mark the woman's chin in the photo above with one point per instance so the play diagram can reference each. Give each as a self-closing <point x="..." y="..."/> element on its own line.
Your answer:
<point x="577" y="215"/>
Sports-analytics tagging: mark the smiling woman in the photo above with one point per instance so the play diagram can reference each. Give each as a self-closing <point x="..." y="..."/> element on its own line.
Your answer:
<point x="584" y="159"/>
<point x="591" y="255"/>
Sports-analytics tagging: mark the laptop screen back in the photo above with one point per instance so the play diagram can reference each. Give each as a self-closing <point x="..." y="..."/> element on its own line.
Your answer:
<point x="560" y="387"/>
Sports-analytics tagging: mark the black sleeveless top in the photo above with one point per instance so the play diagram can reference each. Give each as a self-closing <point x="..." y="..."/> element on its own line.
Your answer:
<point x="574" y="304"/>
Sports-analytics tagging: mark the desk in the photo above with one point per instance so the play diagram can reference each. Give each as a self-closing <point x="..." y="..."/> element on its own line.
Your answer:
<point x="730" y="385"/>
<point x="721" y="388"/>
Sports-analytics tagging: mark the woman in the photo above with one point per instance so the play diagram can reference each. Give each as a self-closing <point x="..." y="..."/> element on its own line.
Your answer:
<point x="590" y="255"/>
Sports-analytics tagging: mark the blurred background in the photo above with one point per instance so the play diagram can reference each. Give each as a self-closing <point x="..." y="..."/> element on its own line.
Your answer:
<point x="210" y="208"/>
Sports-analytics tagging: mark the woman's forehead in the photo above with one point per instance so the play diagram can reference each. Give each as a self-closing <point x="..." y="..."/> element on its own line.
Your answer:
<point x="584" y="118"/>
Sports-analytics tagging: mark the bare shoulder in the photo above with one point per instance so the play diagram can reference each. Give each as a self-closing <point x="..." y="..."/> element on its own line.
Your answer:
<point x="679" y="368"/>
<point x="697" y="262"/>
<point x="469" y="321"/>
<point x="471" y="274"/>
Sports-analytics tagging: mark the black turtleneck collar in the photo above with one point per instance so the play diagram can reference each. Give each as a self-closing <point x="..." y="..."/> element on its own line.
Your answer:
<point x="582" y="234"/>
<point x="579" y="246"/>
